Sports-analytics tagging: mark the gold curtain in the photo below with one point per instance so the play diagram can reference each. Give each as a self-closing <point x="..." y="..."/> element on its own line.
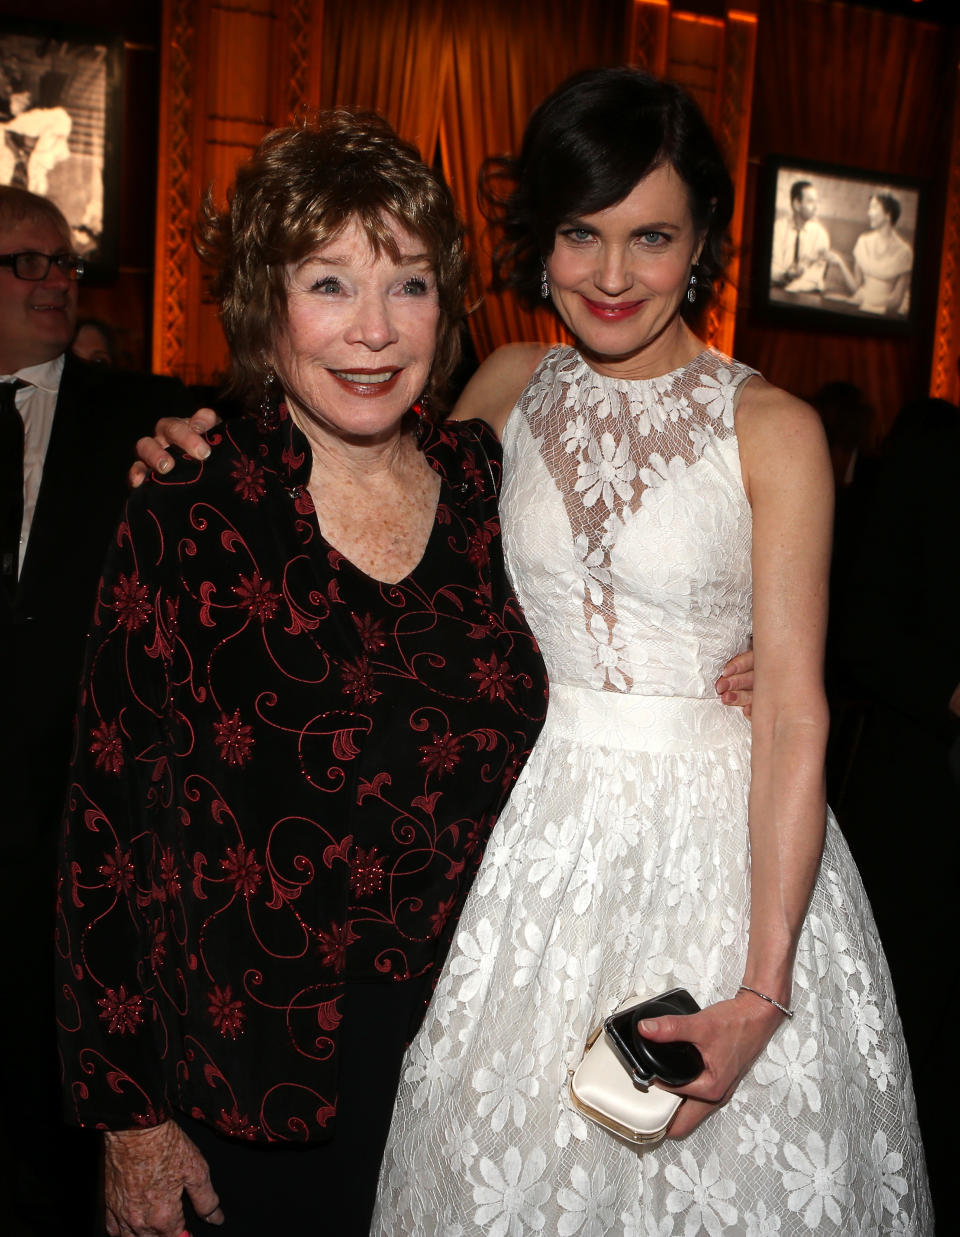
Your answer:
<point x="506" y="58"/>
<point x="391" y="57"/>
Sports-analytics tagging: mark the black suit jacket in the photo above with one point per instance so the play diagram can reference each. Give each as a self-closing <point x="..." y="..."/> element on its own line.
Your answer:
<point x="100" y="414"/>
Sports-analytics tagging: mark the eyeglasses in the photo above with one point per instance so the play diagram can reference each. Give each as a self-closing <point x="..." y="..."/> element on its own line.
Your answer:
<point x="36" y="266"/>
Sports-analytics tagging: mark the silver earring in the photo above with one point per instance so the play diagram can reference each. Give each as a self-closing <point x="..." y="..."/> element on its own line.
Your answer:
<point x="544" y="282"/>
<point x="692" y="288"/>
<point x="268" y="402"/>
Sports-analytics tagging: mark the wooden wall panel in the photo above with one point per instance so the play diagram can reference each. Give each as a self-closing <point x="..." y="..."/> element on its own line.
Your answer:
<point x="230" y="73"/>
<point x="945" y="368"/>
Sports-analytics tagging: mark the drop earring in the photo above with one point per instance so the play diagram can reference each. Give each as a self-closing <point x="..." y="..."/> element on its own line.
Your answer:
<point x="544" y="282"/>
<point x="268" y="410"/>
<point x="692" y="288"/>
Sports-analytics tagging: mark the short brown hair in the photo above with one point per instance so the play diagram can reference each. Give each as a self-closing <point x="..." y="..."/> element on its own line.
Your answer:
<point x="18" y="205"/>
<point x="298" y="190"/>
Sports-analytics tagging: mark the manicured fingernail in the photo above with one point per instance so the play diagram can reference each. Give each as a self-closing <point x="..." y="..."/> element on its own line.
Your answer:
<point x="164" y="465"/>
<point x="646" y="1025"/>
<point x="203" y="451"/>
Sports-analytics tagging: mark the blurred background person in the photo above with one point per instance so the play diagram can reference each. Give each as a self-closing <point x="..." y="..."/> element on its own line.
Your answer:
<point x="67" y="430"/>
<point x="95" y="342"/>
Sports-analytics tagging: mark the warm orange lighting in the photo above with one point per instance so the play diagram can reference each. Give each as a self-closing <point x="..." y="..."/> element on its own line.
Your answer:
<point x="738" y="15"/>
<point x="698" y="19"/>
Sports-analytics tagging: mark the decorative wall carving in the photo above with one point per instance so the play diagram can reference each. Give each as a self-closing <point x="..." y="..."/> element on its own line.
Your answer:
<point x="174" y="249"/>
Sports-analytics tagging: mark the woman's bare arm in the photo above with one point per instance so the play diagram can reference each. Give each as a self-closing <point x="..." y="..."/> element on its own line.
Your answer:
<point x="496" y="386"/>
<point x="787" y="473"/>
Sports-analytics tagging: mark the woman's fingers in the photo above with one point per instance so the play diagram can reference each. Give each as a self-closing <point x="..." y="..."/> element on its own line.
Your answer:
<point x="152" y="457"/>
<point x="205" y="1201"/>
<point x="184" y="432"/>
<point x="689" y="1115"/>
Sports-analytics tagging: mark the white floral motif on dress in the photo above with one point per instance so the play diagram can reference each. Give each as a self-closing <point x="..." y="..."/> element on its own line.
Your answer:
<point x="817" y="1178"/>
<point x="505" y="1086"/>
<point x="701" y="1194"/>
<point x="511" y="1193"/>
<point x="607" y="469"/>
<point x="589" y="1203"/>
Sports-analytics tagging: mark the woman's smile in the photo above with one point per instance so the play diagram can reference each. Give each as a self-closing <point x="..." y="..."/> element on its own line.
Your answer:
<point x="612" y="311"/>
<point x="368" y="383"/>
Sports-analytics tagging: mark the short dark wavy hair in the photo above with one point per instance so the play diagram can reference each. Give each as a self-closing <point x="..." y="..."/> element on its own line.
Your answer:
<point x="298" y="190"/>
<point x="585" y="148"/>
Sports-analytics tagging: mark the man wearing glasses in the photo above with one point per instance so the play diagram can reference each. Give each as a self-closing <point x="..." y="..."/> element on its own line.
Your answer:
<point x="67" y="432"/>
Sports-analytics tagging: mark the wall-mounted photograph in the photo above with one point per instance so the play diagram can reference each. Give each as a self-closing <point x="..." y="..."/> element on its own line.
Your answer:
<point x="60" y="113"/>
<point x="838" y="243"/>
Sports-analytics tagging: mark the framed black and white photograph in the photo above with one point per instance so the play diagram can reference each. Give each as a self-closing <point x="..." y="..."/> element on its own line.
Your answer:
<point x="837" y="244"/>
<point x="60" y="116"/>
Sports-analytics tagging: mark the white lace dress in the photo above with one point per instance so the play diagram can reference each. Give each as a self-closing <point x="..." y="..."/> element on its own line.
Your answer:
<point x="621" y="864"/>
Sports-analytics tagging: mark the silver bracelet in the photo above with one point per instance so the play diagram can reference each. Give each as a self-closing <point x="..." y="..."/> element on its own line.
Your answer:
<point x="788" y="1013"/>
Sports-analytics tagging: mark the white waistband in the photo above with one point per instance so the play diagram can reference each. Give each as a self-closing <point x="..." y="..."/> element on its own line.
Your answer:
<point x="669" y="724"/>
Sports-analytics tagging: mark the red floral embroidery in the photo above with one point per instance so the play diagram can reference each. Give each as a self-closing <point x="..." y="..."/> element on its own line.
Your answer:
<point x="358" y="682"/>
<point x="478" y="549"/>
<point x="236" y="1123"/>
<point x="243" y="869"/>
<point x="332" y="945"/>
<point x="158" y="950"/>
<point x="476" y="836"/>
<point x="257" y="596"/>
<point x="169" y="874"/>
<point x="442" y="754"/>
<point x="227" y="1014"/>
<point x="107" y="747"/>
<point x="120" y="1011"/>
<point x="438" y="920"/>
<point x="234" y="738"/>
<point x="249" y="480"/>
<point x="130" y="601"/>
<point x="117" y="870"/>
<point x="370" y="631"/>
<point x="366" y="872"/>
<point x="493" y="678"/>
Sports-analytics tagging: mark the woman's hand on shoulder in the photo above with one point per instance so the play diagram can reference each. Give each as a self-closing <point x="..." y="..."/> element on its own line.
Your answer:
<point x="184" y="432"/>
<point x="497" y="384"/>
<point x="730" y="1036"/>
<point x="145" y="1174"/>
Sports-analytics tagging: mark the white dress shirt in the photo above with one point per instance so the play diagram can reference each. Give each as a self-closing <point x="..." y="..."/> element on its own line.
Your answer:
<point x="36" y="404"/>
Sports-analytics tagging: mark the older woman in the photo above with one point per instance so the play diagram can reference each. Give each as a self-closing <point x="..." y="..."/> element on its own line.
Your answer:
<point x="882" y="260"/>
<point x="309" y="689"/>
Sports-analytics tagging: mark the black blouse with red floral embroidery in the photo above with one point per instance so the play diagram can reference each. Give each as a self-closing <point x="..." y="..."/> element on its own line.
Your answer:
<point x="286" y="773"/>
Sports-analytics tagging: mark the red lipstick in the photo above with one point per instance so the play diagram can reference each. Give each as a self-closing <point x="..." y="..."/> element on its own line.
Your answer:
<point x="612" y="311"/>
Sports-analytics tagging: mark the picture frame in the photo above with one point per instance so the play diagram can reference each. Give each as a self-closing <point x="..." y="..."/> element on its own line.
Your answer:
<point x="838" y="247"/>
<point x="61" y="93"/>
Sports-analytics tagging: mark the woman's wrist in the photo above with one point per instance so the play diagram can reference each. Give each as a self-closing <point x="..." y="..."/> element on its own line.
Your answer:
<point x="770" y="999"/>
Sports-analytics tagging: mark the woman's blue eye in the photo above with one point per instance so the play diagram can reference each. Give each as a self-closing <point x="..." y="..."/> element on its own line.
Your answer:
<point x="330" y="284"/>
<point x="415" y="286"/>
<point x="654" y="238"/>
<point x="577" y="234"/>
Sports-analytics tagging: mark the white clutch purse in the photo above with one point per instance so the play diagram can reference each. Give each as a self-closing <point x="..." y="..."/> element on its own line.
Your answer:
<point x="602" y="1089"/>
